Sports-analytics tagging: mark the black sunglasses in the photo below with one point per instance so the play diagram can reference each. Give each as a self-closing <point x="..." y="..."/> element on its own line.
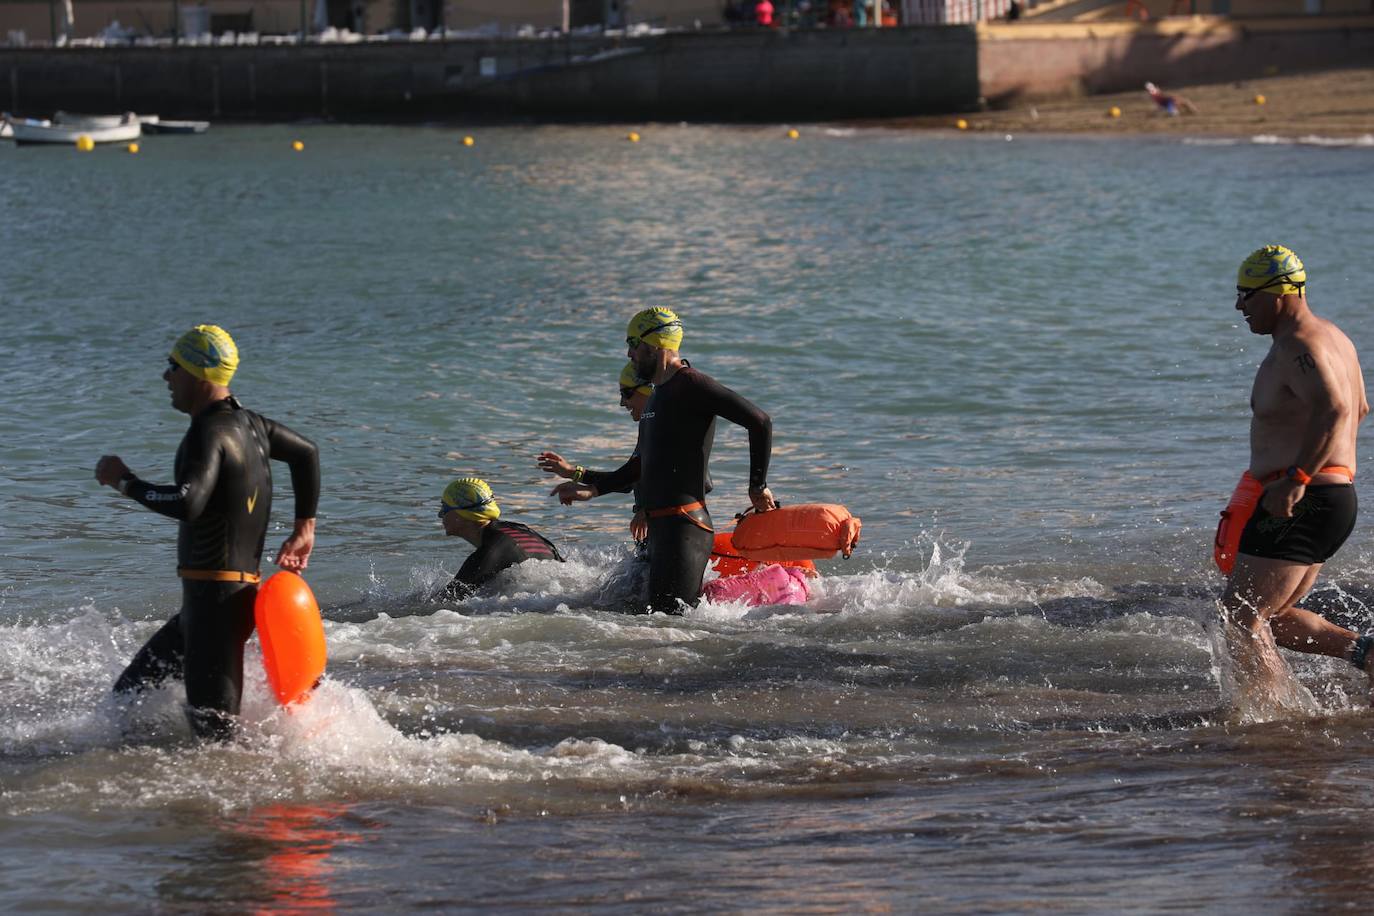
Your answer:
<point x="172" y="365"/>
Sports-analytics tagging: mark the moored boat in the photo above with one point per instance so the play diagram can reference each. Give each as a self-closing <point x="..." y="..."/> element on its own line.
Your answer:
<point x="29" y="131"/>
<point x="161" y="126"/>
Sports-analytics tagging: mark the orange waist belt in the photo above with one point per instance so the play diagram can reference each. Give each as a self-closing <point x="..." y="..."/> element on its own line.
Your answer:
<point x="685" y="511"/>
<point x="218" y="575"/>
<point x="1329" y="469"/>
<point x="1238" y="511"/>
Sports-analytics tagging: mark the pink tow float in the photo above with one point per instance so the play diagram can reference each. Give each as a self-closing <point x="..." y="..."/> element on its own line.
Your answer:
<point x="766" y="585"/>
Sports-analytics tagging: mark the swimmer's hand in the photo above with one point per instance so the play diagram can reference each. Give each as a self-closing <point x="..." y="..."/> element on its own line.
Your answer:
<point x="569" y="493"/>
<point x="762" y="499"/>
<point x="1281" y="496"/>
<point x="639" y="525"/>
<point x="110" y="469"/>
<point x="295" y="550"/>
<point x="553" y="463"/>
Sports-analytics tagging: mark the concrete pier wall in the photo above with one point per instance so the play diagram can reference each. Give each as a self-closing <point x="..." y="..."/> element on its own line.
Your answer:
<point x="717" y="76"/>
<point x="753" y="76"/>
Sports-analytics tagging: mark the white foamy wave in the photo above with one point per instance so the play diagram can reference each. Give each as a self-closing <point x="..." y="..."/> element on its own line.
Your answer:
<point x="1364" y="140"/>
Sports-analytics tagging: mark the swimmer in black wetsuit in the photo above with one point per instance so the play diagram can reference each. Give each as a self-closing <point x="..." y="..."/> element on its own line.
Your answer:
<point x="675" y="439"/>
<point x="222" y="499"/>
<point x="470" y="511"/>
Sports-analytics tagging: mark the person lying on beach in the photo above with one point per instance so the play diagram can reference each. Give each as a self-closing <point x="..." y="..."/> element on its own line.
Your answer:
<point x="469" y="510"/>
<point x="1169" y="104"/>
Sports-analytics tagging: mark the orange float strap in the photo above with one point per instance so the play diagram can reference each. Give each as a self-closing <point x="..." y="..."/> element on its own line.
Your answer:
<point x="292" y="636"/>
<point x="685" y="511"/>
<point x="812" y="531"/>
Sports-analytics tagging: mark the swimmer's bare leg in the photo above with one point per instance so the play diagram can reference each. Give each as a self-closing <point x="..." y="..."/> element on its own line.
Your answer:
<point x="1259" y="588"/>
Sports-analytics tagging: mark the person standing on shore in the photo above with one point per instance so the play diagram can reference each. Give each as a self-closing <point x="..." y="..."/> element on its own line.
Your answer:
<point x="1308" y="400"/>
<point x="676" y="433"/>
<point x="222" y="500"/>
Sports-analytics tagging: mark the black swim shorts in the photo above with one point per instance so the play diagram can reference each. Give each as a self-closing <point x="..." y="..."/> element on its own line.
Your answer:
<point x="1321" y="522"/>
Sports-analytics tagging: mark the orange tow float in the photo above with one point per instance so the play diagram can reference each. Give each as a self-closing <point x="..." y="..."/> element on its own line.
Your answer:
<point x="292" y="636"/>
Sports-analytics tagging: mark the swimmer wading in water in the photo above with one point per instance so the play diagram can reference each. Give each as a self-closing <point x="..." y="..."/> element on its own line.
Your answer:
<point x="222" y="499"/>
<point x="670" y="465"/>
<point x="1308" y="400"/>
<point x="468" y="509"/>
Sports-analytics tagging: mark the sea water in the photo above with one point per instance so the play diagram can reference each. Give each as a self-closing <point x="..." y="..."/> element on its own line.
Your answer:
<point x="1016" y="358"/>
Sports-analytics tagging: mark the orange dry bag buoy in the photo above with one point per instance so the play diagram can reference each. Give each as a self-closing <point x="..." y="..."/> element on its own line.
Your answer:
<point x="727" y="561"/>
<point x="292" y="636"/>
<point x="812" y="531"/>
<point x="1233" y="520"/>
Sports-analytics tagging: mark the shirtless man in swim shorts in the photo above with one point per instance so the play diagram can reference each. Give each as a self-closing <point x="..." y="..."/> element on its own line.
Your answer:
<point x="1308" y="400"/>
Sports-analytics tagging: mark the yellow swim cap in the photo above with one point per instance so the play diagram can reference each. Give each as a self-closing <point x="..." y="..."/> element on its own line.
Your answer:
<point x="472" y="499"/>
<point x="629" y="378"/>
<point x="207" y="352"/>
<point x="658" y="327"/>
<point x="1274" y="269"/>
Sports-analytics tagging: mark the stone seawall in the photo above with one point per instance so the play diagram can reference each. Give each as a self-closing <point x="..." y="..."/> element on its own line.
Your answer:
<point x="711" y="76"/>
<point x="753" y="76"/>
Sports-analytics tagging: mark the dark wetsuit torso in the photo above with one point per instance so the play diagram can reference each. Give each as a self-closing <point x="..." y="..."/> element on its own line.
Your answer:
<point x="504" y="544"/>
<point x="222" y="498"/>
<point x="670" y="466"/>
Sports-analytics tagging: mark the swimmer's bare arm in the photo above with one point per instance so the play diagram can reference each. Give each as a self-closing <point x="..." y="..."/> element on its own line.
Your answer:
<point x="554" y="463"/>
<point x="569" y="493"/>
<point x="1315" y="376"/>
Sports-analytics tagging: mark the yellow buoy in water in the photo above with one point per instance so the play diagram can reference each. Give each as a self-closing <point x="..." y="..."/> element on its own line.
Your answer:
<point x="297" y="145"/>
<point x="133" y="147"/>
<point x="793" y="133"/>
<point x="632" y="137"/>
<point x="1260" y="100"/>
<point x="468" y="141"/>
<point x="1114" y="112"/>
<point x="85" y="143"/>
<point x="961" y="124"/>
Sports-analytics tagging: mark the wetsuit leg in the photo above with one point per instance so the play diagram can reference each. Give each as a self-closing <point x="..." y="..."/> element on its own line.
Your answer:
<point x="678" y="551"/>
<point x="216" y="621"/>
<point x="160" y="658"/>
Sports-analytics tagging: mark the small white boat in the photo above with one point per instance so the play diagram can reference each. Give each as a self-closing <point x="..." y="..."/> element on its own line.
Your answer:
<point x="29" y="131"/>
<point x="93" y="121"/>
<point x="6" y="132"/>
<point x="160" y="126"/>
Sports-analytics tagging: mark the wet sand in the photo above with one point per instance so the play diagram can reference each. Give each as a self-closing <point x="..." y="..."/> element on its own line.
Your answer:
<point x="1335" y="104"/>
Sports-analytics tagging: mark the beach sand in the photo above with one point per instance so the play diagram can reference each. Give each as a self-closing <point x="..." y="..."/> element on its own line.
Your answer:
<point x="1336" y="104"/>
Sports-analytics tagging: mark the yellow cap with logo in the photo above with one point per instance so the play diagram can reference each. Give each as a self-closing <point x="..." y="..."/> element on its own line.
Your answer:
<point x="472" y="499"/>
<point x="629" y="378"/>
<point x="658" y="327"/>
<point x="207" y="352"/>
<point x="1273" y="269"/>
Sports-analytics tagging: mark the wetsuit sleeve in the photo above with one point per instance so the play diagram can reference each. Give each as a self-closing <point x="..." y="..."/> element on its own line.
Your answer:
<point x="198" y="469"/>
<point x="713" y="397"/>
<point x="302" y="456"/>
<point x="621" y="480"/>
<point x="486" y="561"/>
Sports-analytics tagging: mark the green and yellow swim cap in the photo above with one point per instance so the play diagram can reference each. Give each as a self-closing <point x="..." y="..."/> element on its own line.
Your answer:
<point x="629" y="378"/>
<point x="472" y="499"/>
<point x="1274" y="269"/>
<point x="658" y="327"/>
<point x="207" y="352"/>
